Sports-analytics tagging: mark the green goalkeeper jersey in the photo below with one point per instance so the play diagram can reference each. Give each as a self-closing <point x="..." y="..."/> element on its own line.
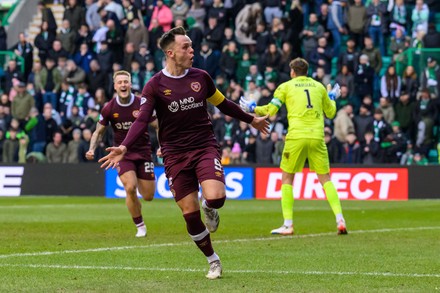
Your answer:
<point x="306" y="101"/>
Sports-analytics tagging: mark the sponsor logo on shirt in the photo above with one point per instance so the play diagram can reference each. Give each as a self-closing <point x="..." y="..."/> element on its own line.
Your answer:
<point x="135" y="113"/>
<point x="184" y="104"/>
<point x="123" y="125"/>
<point x="196" y="86"/>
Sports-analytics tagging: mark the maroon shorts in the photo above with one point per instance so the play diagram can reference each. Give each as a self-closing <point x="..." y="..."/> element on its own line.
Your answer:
<point x="186" y="171"/>
<point x="143" y="169"/>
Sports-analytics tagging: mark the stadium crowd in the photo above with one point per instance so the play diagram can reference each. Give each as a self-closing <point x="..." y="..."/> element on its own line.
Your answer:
<point x="49" y="111"/>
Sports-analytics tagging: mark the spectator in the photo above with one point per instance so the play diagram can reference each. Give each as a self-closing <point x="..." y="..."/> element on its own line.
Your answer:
<point x="105" y="58"/>
<point x="387" y="109"/>
<point x="128" y="56"/>
<point x="154" y="34"/>
<point x="343" y="123"/>
<point x="47" y="16"/>
<point x="345" y="77"/>
<point x="73" y="146"/>
<point x="150" y="70"/>
<point x="49" y="83"/>
<point x="272" y="10"/>
<point x="136" y="34"/>
<point x="84" y="146"/>
<point x="56" y="150"/>
<point x="10" y="147"/>
<point x="84" y="36"/>
<point x="130" y="13"/>
<point x="137" y="77"/>
<point x="321" y="76"/>
<point x="25" y="50"/>
<point x="403" y="110"/>
<point x="83" y="57"/>
<point x="432" y="38"/>
<point x="321" y="56"/>
<point x="195" y="33"/>
<point x="22" y="103"/>
<point x="323" y="18"/>
<point x="345" y="99"/>
<point x="410" y="82"/>
<point x="197" y="13"/>
<point x="50" y="124"/>
<point x="246" y="24"/>
<point x="430" y="77"/>
<point x="115" y="40"/>
<point x="398" y="143"/>
<point x="380" y="129"/>
<point x="96" y="78"/>
<point x="264" y="147"/>
<point x="43" y="41"/>
<point x="229" y="60"/>
<point x="57" y="51"/>
<point x="364" y="77"/>
<point x="419" y="17"/>
<point x="163" y="15"/>
<point x="399" y="16"/>
<point x="207" y="60"/>
<point x="12" y="72"/>
<point x="67" y="36"/>
<point x="75" y="75"/>
<point x="334" y="147"/>
<point x="249" y="154"/>
<point x="362" y="121"/>
<point x="374" y="56"/>
<point x="356" y="21"/>
<point x="75" y="14"/>
<point x="179" y="9"/>
<point x="336" y="23"/>
<point x="352" y="150"/>
<point x="391" y="85"/>
<point x="213" y="33"/>
<point x="93" y="19"/>
<point x="67" y="97"/>
<point x="377" y="25"/>
<point x="398" y="43"/>
<point x="369" y="149"/>
<point x="424" y="115"/>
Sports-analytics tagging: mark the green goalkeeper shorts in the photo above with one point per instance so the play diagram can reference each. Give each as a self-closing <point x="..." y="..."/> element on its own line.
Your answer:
<point x="296" y="151"/>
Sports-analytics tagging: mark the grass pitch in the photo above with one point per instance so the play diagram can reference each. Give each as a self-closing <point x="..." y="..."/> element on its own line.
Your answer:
<point x="73" y="244"/>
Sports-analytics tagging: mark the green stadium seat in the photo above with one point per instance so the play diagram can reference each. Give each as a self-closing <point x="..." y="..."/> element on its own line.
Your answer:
<point x="433" y="156"/>
<point x="334" y="71"/>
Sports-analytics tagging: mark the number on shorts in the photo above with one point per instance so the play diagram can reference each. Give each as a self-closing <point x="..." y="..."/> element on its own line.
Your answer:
<point x="309" y="103"/>
<point x="149" y="167"/>
<point x="218" y="165"/>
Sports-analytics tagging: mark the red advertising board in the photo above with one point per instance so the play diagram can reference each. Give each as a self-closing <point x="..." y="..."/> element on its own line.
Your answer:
<point x="351" y="184"/>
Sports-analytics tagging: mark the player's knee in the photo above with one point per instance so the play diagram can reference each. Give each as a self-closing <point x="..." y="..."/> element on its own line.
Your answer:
<point x="216" y="203"/>
<point x="148" y="196"/>
<point x="131" y="190"/>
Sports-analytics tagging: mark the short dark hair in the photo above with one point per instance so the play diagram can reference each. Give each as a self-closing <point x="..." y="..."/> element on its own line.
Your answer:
<point x="170" y="36"/>
<point x="300" y="66"/>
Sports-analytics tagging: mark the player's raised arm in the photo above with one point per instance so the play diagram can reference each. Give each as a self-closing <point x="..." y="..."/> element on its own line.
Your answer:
<point x="231" y="109"/>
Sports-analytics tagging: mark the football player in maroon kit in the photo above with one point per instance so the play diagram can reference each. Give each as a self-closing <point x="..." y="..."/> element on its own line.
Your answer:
<point x="136" y="170"/>
<point x="179" y="94"/>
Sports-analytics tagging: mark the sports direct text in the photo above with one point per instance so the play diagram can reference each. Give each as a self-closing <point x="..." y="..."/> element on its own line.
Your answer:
<point x="351" y="184"/>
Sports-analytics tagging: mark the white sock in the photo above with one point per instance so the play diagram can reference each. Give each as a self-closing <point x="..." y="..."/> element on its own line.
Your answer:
<point x="339" y="217"/>
<point x="288" y="223"/>
<point x="213" y="257"/>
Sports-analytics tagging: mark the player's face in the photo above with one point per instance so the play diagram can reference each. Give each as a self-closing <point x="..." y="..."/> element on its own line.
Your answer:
<point x="183" y="52"/>
<point x="122" y="86"/>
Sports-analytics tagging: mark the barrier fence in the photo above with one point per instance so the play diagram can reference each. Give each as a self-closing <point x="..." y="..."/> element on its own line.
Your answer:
<point x="363" y="183"/>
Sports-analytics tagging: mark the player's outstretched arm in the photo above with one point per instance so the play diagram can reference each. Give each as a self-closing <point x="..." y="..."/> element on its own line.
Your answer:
<point x="96" y="138"/>
<point x="251" y="107"/>
<point x="114" y="157"/>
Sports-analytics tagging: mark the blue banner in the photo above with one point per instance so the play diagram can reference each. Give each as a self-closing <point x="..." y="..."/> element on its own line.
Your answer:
<point x="239" y="183"/>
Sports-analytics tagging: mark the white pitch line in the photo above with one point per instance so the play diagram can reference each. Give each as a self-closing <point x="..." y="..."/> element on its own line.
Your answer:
<point x="278" y="272"/>
<point x="116" y="248"/>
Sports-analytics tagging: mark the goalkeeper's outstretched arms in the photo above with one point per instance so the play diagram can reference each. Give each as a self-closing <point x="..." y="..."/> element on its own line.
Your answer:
<point x="269" y="109"/>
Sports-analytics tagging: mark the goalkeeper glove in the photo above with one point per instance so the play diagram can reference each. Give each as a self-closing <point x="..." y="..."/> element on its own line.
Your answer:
<point x="335" y="92"/>
<point x="246" y="105"/>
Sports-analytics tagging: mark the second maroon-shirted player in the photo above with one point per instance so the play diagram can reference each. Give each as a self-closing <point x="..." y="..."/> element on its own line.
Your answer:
<point x="136" y="171"/>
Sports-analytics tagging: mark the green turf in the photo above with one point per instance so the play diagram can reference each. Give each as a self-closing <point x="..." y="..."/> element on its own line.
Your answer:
<point x="90" y="247"/>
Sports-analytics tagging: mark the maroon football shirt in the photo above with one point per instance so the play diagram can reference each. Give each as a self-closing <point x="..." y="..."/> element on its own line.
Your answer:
<point x="121" y="117"/>
<point x="181" y="110"/>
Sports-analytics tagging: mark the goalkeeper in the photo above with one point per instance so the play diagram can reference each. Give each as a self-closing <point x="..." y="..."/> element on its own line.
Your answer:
<point x="306" y="101"/>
